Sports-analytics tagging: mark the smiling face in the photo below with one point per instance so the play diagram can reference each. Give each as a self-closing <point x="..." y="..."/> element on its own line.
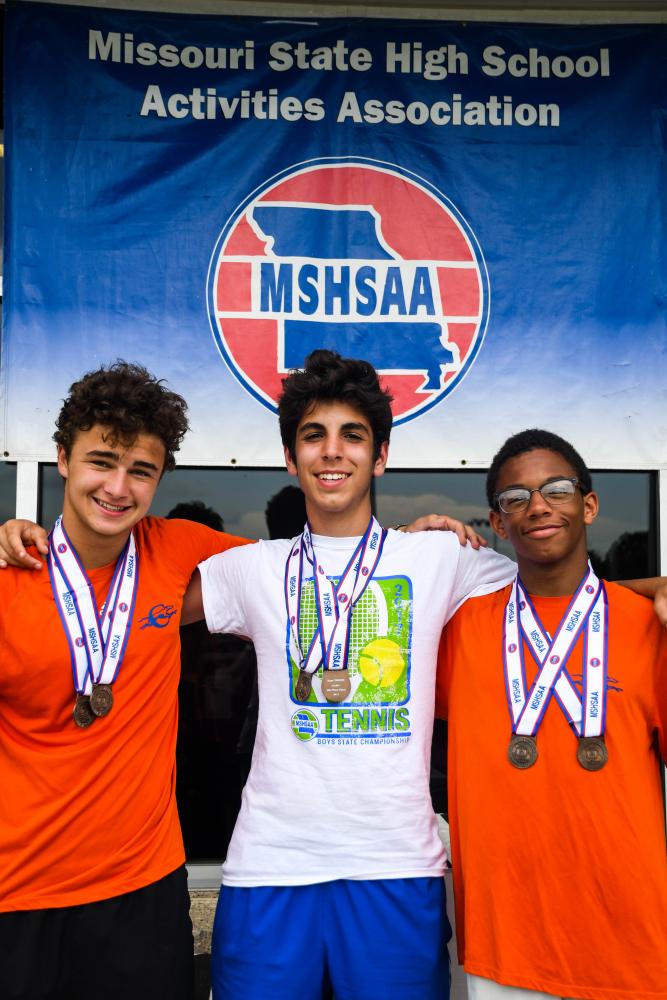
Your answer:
<point x="549" y="540"/>
<point x="335" y="465"/>
<point x="108" y="488"/>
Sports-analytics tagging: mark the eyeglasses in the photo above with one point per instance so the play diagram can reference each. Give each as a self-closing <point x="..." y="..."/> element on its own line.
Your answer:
<point x="517" y="498"/>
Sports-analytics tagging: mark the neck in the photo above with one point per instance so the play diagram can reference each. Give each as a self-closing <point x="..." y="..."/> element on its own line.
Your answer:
<point x="553" y="580"/>
<point x="335" y="525"/>
<point x="95" y="550"/>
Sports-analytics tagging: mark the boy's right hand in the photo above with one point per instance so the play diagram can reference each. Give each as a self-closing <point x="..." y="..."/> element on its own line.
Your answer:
<point x="14" y="536"/>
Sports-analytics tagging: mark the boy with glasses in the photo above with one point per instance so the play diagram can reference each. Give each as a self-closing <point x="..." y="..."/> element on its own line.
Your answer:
<point x="555" y="689"/>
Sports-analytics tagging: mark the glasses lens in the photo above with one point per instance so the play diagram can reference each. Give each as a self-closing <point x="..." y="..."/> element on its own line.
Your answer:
<point x="514" y="500"/>
<point x="517" y="498"/>
<point x="558" y="492"/>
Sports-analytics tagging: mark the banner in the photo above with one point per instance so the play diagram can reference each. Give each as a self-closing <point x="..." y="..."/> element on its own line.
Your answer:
<point x="477" y="209"/>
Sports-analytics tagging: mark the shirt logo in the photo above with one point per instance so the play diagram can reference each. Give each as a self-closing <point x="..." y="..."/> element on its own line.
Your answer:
<point x="304" y="725"/>
<point x="159" y="616"/>
<point x="354" y="255"/>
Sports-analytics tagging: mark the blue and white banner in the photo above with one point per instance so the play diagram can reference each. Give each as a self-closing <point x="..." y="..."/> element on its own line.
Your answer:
<point x="480" y="210"/>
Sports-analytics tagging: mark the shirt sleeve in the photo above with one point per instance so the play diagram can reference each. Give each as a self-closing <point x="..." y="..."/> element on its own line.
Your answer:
<point x="190" y="542"/>
<point x="479" y="571"/>
<point x="224" y="585"/>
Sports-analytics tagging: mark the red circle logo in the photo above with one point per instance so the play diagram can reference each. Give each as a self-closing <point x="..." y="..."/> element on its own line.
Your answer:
<point x="354" y="255"/>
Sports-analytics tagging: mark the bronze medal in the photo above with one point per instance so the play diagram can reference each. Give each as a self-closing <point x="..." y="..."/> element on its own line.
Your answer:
<point x="101" y="700"/>
<point x="302" y="688"/>
<point x="522" y="751"/>
<point x="336" y="684"/>
<point x="83" y="714"/>
<point x="592" y="752"/>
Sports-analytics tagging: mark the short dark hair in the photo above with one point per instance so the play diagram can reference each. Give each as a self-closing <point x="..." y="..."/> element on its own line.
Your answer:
<point x="286" y="513"/>
<point x="128" y="400"/>
<point x="196" y="510"/>
<point x="531" y="440"/>
<point x="327" y="376"/>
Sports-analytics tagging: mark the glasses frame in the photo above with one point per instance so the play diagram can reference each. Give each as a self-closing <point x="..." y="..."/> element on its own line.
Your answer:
<point x="537" y="489"/>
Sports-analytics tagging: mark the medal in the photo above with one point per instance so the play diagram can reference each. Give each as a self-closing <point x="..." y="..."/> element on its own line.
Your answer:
<point x="96" y="639"/>
<point x="587" y="616"/>
<point x="592" y="753"/>
<point x="82" y="713"/>
<point x="336" y="684"/>
<point x="522" y="751"/>
<point x="329" y="644"/>
<point x="303" y="686"/>
<point x="101" y="700"/>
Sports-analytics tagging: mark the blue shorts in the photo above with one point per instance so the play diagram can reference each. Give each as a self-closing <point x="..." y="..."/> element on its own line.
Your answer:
<point x="378" y="938"/>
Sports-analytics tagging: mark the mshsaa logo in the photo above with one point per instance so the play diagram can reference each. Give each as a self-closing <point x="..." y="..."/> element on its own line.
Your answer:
<point x="304" y="725"/>
<point x="358" y="256"/>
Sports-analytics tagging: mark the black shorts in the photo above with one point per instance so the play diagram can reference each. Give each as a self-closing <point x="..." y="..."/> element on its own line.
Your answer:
<point x="137" y="946"/>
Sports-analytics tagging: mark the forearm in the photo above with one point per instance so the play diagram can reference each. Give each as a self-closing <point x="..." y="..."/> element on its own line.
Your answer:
<point x="647" y="587"/>
<point x="193" y="603"/>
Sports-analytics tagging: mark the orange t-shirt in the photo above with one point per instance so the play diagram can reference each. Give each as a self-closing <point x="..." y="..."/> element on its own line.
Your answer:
<point x="560" y="874"/>
<point x="86" y="814"/>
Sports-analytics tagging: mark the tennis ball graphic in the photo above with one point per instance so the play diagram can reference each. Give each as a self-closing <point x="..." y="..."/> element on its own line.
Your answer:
<point x="381" y="662"/>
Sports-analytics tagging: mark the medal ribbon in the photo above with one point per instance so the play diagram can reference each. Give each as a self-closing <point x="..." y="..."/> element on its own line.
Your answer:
<point x="97" y="641"/>
<point x="333" y="604"/>
<point x="588" y="608"/>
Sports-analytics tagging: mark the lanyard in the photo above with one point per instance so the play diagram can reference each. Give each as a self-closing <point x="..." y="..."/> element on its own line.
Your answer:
<point x="330" y="643"/>
<point x="97" y="640"/>
<point x="586" y="713"/>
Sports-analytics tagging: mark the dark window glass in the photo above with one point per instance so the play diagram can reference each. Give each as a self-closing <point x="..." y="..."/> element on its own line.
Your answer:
<point x="238" y="495"/>
<point x="218" y="692"/>
<point x="7" y="490"/>
<point x="218" y="689"/>
<point x="622" y="541"/>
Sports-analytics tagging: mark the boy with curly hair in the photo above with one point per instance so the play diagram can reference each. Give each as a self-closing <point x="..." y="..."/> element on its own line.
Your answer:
<point x="93" y="890"/>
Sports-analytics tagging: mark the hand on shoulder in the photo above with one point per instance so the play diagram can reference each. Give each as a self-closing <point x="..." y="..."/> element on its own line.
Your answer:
<point x="15" y="535"/>
<point x="441" y="522"/>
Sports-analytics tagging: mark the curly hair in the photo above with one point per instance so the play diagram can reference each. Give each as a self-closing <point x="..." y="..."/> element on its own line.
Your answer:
<point x="531" y="440"/>
<point x="128" y="400"/>
<point x="328" y="377"/>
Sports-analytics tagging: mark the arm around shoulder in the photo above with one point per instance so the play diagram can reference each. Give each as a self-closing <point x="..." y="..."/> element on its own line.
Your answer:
<point x="653" y="587"/>
<point x="482" y="571"/>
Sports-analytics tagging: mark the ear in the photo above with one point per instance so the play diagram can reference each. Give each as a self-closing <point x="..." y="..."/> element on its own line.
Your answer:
<point x="290" y="463"/>
<point x="591" y="507"/>
<point x="381" y="460"/>
<point x="497" y="523"/>
<point x="63" y="465"/>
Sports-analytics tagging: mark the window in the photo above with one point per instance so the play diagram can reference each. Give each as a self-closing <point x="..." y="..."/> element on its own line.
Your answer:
<point x="218" y="693"/>
<point x="7" y="490"/>
<point x="622" y="541"/>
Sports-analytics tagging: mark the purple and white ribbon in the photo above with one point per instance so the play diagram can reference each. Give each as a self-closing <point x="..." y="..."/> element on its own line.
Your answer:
<point x="333" y="604"/>
<point x="97" y="640"/>
<point x="588" y="609"/>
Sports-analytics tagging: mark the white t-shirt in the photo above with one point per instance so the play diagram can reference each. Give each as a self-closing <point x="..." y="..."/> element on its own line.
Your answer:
<point x="342" y="790"/>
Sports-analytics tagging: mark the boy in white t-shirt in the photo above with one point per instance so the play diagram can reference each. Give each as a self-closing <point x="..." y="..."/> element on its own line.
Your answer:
<point x="335" y="867"/>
